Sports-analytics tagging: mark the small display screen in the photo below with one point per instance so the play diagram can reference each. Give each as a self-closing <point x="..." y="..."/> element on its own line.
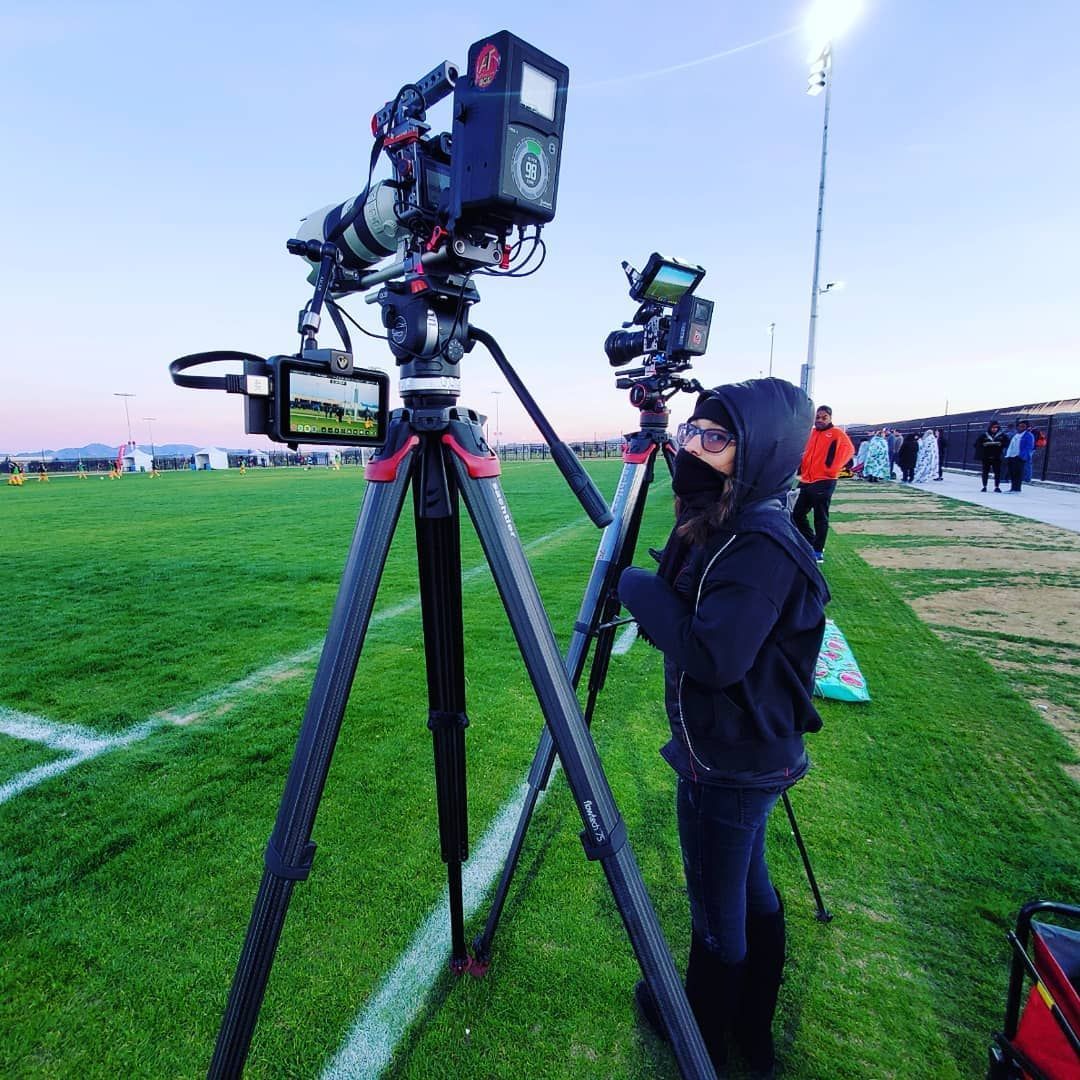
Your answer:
<point x="333" y="405"/>
<point x="669" y="284"/>
<point x="436" y="181"/>
<point x="538" y="91"/>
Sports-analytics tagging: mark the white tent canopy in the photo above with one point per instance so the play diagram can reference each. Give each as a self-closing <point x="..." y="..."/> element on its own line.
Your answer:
<point x="136" y="460"/>
<point x="211" y="457"/>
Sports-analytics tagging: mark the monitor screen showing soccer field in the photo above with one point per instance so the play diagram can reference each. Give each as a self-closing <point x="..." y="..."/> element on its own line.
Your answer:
<point x="325" y="407"/>
<point x="669" y="284"/>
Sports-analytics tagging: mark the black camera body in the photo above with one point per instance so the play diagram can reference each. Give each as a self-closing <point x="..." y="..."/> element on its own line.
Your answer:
<point x="675" y="322"/>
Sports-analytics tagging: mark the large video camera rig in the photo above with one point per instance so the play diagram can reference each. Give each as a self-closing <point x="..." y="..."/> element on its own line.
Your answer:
<point x="447" y="213"/>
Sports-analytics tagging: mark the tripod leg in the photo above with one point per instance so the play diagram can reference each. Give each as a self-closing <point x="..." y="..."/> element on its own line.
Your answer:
<point x="604" y="834"/>
<point x="289" y="852"/>
<point x="438" y="549"/>
<point x="615" y="551"/>
<point x="823" y="913"/>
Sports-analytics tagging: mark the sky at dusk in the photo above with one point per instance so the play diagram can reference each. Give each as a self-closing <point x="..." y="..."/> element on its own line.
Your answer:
<point x="158" y="156"/>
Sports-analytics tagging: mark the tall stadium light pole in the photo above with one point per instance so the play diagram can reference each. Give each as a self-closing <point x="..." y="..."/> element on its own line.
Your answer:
<point x="127" y="414"/>
<point x="772" y="335"/>
<point x="825" y="22"/>
<point x="820" y="79"/>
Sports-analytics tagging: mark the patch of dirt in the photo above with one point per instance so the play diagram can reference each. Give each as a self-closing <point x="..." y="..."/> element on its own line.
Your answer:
<point x="877" y="507"/>
<point x="1049" y="611"/>
<point x="914" y="525"/>
<point x="970" y="557"/>
<point x="1025" y="665"/>
<point x="875" y="496"/>
<point x="1061" y="718"/>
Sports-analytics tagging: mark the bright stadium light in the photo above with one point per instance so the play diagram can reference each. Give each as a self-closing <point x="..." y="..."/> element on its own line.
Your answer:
<point x="828" y="20"/>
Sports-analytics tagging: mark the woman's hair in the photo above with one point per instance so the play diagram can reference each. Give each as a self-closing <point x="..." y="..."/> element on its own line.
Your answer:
<point x="695" y="527"/>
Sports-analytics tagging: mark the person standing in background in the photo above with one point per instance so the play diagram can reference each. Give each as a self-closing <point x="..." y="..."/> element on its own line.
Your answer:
<point x="942" y="446"/>
<point x="896" y="440"/>
<point x="988" y="449"/>
<point x="926" y="464"/>
<point x="907" y="456"/>
<point x="877" y="464"/>
<point x="1017" y="455"/>
<point x="828" y="450"/>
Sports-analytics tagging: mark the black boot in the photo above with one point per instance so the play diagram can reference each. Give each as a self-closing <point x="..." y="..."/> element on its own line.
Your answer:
<point x="765" y="941"/>
<point x="713" y="989"/>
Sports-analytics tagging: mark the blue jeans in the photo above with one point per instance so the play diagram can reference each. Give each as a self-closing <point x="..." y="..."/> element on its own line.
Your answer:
<point x="722" y="834"/>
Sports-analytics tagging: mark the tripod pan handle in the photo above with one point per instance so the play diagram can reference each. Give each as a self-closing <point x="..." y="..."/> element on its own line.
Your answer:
<point x="581" y="484"/>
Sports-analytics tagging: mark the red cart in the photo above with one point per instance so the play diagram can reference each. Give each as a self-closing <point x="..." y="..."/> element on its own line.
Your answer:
<point x="1043" y="1042"/>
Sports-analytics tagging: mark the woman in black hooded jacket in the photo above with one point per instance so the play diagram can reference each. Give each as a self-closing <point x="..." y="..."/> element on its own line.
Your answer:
<point x="737" y="609"/>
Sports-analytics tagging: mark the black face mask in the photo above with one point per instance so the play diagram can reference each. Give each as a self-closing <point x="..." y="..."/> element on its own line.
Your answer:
<point x="696" y="483"/>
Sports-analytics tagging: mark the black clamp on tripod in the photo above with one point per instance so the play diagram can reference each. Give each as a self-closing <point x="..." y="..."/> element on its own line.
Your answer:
<point x="598" y="616"/>
<point x="436" y="448"/>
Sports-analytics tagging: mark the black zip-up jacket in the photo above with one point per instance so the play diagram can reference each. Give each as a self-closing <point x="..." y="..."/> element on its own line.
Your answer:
<point x="989" y="447"/>
<point x="741" y="627"/>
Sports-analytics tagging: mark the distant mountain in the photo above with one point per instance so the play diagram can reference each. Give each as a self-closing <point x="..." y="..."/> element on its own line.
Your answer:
<point x="101" y="450"/>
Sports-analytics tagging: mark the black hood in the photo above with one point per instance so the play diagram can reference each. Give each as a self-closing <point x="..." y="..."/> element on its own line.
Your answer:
<point x="772" y="421"/>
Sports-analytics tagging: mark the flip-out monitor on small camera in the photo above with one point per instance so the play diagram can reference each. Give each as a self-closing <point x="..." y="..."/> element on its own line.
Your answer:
<point x="316" y="405"/>
<point x="666" y="281"/>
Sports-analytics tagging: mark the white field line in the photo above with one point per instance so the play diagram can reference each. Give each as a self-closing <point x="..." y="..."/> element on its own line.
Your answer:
<point x="625" y="640"/>
<point x="387" y="1016"/>
<point x="81" y="744"/>
<point x="78" y="744"/>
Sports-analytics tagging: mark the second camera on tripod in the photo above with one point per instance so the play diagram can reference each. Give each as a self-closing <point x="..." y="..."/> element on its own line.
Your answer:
<point x="674" y="322"/>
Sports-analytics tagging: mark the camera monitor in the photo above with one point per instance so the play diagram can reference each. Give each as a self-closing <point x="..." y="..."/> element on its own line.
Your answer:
<point x="316" y="405"/>
<point x="665" y="280"/>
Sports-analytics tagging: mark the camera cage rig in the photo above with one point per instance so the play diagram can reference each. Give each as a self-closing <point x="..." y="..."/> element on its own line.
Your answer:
<point x="675" y="326"/>
<point x="447" y="214"/>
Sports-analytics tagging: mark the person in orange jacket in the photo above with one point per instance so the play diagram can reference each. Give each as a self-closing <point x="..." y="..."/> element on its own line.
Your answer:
<point x="828" y="450"/>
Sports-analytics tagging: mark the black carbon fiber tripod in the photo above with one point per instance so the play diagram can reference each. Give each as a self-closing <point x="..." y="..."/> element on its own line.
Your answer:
<point x="437" y="449"/>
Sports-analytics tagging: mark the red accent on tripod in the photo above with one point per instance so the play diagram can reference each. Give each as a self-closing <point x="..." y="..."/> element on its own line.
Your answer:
<point x="637" y="457"/>
<point x="479" y="465"/>
<point x="385" y="469"/>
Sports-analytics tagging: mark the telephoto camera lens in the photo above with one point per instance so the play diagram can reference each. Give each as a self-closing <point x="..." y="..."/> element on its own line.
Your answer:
<point x="623" y="345"/>
<point x="371" y="237"/>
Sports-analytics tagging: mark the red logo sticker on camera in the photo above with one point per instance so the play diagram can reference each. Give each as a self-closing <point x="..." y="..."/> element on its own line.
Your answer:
<point x="487" y="66"/>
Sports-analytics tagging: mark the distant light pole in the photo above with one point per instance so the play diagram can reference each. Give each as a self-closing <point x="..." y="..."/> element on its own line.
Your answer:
<point x="127" y="414"/>
<point x="498" y="432"/>
<point x="772" y="335"/>
<point x="826" y="20"/>
<point x="150" y="421"/>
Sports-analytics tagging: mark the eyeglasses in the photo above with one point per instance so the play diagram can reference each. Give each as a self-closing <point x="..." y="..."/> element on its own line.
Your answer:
<point x="713" y="440"/>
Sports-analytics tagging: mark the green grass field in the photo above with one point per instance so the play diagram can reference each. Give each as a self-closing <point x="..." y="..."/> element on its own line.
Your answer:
<point x="197" y="602"/>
